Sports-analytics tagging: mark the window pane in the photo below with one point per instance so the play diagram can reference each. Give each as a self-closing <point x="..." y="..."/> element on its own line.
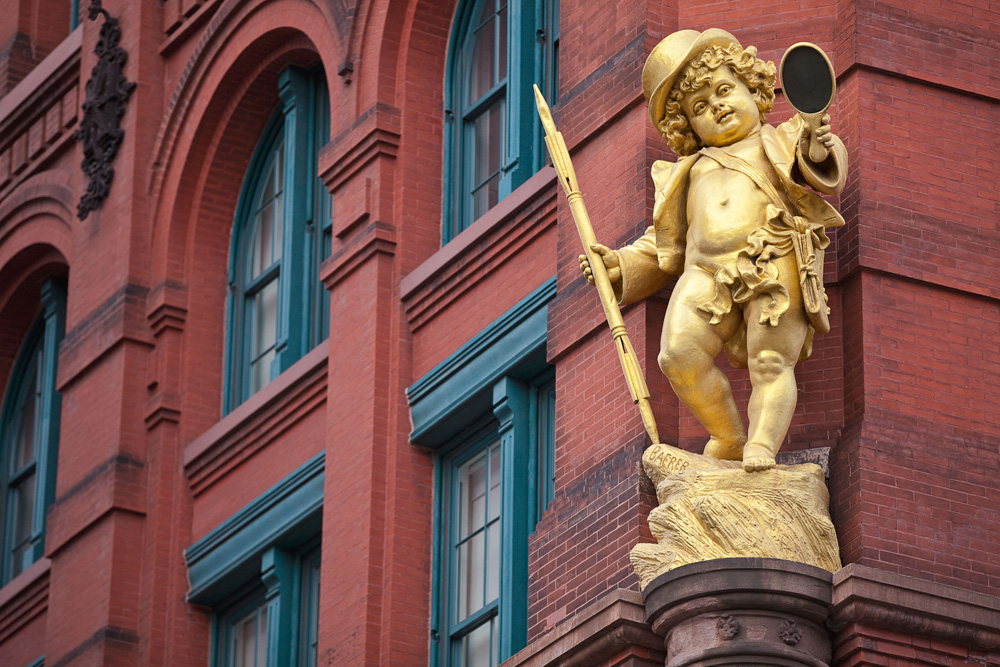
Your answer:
<point x="265" y="331"/>
<point x="495" y="472"/>
<point x="24" y="437"/>
<point x="309" y="632"/>
<point x="487" y="150"/>
<point x="262" y="636"/>
<point x="487" y="142"/>
<point x="477" y="539"/>
<point x="493" y="562"/>
<point x="486" y="13"/>
<point x="250" y="639"/>
<point x="546" y="437"/>
<point x="279" y="167"/>
<point x="278" y="229"/>
<point x="24" y="503"/>
<point x="477" y="647"/>
<point x="471" y="566"/>
<point x="502" y="44"/>
<point x="246" y="643"/>
<point x="481" y="69"/>
<point x="263" y="241"/>
<point x="472" y="492"/>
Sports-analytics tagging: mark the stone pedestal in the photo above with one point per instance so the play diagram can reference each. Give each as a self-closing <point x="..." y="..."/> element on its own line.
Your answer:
<point x="742" y="611"/>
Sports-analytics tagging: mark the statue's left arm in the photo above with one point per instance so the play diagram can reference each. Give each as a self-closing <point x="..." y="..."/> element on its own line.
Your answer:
<point x="830" y="175"/>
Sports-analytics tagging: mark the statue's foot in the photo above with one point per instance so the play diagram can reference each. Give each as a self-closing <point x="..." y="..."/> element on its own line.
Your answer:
<point x="757" y="457"/>
<point x="727" y="451"/>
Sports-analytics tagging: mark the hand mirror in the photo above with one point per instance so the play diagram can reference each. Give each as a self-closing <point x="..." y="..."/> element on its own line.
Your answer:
<point x="809" y="83"/>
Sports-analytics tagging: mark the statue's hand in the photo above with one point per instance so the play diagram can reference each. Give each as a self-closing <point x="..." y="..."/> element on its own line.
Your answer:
<point x="611" y="263"/>
<point x="821" y="135"/>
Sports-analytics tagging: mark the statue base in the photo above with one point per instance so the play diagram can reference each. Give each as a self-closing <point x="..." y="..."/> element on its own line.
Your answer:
<point x="711" y="509"/>
<point x="742" y="611"/>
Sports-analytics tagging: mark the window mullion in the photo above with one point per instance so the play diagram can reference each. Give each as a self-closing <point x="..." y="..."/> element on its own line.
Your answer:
<point x="294" y="294"/>
<point x="278" y="574"/>
<point x="53" y="299"/>
<point x="18" y="476"/>
<point x="466" y="625"/>
<point x="510" y="405"/>
<point x="471" y="111"/>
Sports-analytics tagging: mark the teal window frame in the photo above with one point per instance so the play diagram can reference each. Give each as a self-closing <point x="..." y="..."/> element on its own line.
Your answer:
<point x="529" y="55"/>
<point x="38" y="355"/>
<point x="542" y="417"/>
<point x="513" y="430"/>
<point x="456" y="627"/>
<point x="288" y="604"/>
<point x="300" y="126"/>
<point x="227" y="621"/>
<point x="264" y="555"/>
<point x="499" y="388"/>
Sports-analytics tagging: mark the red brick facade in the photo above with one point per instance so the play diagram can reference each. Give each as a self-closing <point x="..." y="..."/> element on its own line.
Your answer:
<point x="903" y="390"/>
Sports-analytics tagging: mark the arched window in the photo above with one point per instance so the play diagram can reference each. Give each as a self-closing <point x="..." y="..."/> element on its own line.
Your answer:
<point x="278" y="309"/>
<point x="29" y="437"/>
<point x="499" y="48"/>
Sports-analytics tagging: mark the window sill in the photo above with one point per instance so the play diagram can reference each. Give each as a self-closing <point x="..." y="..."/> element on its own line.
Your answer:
<point x="515" y="221"/>
<point x="444" y="257"/>
<point x="24" y="597"/>
<point x="258" y="420"/>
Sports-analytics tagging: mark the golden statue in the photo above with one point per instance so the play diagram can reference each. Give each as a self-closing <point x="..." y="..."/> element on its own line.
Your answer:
<point x="734" y="219"/>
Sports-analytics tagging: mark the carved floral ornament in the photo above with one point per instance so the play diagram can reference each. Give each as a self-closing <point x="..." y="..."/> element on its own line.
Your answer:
<point x="107" y="91"/>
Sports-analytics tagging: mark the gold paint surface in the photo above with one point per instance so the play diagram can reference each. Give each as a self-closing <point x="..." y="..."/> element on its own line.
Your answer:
<point x="711" y="508"/>
<point x="739" y="220"/>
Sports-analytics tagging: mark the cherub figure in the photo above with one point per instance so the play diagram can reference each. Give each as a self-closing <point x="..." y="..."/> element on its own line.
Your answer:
<point x="733" y="218"/>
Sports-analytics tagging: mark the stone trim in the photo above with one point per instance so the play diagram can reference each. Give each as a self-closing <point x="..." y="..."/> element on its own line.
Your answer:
<point x="897" y="602"/>
<point x="258" y="420"/>
<point x="501" y="232"/>
<point x="24" y="597"/>
<point x="223" y="559"/>
<point x="453" y="385"/>
<point x="612" y="627"/>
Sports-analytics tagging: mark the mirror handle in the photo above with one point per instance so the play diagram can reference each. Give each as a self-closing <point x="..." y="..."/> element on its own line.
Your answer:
<point x="817" y="151"/>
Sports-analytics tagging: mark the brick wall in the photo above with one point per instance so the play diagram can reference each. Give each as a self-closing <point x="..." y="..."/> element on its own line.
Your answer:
<point x="901" y="389"/>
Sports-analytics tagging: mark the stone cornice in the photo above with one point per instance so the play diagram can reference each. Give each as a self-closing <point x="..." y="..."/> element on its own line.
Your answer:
<point x="870" y="596"/>
<point x="612" y="626"/>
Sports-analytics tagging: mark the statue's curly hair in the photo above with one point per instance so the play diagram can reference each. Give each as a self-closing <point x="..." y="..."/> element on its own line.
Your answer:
<point x="757" y="75"/>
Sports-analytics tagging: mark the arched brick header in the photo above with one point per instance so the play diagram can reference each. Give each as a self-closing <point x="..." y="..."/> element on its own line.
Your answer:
<point x="36" y="227"/>
<point x="39" y="211"/>
<point x="242" y="49"/>
<point x="218" y="112"/>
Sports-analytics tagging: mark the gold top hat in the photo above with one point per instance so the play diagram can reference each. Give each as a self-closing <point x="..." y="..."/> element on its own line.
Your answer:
<point x="667" y="60"/>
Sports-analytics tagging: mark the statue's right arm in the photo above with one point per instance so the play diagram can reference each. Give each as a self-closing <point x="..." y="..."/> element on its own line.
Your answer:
<point x="640" y="269"/>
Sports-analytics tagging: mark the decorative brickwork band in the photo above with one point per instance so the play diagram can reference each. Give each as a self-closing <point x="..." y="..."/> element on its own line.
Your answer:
<point x="107" y="92"/>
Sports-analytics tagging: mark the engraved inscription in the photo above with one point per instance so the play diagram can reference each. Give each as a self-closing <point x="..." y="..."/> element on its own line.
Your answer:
<point x="659" y="456"/>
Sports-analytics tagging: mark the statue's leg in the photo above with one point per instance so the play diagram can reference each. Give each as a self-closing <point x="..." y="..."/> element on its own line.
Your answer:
<point x="688" y="347"/>
<point x="771" y="355"/>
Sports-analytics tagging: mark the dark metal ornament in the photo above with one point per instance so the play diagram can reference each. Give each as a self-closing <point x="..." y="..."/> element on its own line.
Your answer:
<point x="107" y="91"/>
